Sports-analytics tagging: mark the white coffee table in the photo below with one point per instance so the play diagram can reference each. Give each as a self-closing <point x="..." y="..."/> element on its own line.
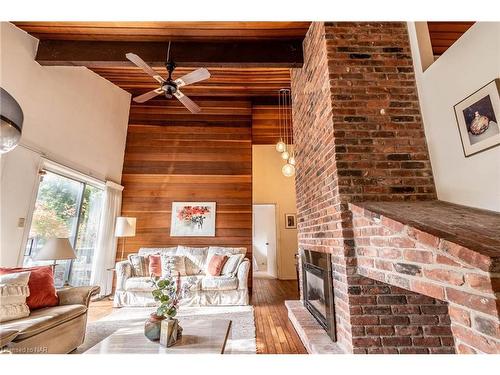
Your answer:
<point x="198" y="337"/>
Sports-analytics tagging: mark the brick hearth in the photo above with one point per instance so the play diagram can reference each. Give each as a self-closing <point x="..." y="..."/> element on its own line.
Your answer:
<point x="359" y="137"/>
<point x="438" y="249"/>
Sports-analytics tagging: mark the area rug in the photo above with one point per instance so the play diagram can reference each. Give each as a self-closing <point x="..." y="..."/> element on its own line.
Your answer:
<point x="242" y="339"/>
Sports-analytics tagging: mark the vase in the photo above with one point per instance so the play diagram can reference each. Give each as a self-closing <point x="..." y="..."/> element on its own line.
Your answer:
<point x="169" y="332"/>
<point x="479" y="124"/>
<point x="152" y="327"/>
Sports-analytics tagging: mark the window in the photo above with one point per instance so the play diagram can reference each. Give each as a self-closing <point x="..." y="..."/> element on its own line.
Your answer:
<point x="66" y="207"/>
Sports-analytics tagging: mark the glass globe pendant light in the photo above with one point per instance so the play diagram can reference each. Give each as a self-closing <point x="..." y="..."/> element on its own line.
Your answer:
<point x="280" y="146"/>
<point x="285" y="155"/>
<point x="288" y="170"/>
<point x="291" y="159"/>
<point x="11" y="122"/>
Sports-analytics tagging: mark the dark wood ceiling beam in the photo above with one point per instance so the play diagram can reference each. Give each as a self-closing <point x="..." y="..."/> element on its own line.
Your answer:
<point x="273" y="54"/>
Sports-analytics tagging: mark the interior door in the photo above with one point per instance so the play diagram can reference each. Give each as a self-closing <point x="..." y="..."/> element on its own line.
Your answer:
<point x="264" y="239"/>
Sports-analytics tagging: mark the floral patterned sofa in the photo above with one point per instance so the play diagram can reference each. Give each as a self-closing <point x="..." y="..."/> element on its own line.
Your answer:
<point x="133" y="288"/>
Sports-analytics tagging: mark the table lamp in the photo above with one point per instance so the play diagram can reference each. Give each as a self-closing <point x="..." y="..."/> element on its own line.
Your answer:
<point x="125" y="227"/>
<point x="56" y="249"/>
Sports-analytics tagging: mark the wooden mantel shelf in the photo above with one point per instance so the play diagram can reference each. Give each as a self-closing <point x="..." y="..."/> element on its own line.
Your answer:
<point x="474" y="229"/>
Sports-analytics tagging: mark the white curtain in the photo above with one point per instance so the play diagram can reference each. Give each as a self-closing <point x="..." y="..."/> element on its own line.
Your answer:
<point x="104" y="258"/>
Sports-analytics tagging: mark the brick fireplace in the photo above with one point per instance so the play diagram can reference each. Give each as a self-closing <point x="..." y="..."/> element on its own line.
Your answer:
<point x="359" y="138"/>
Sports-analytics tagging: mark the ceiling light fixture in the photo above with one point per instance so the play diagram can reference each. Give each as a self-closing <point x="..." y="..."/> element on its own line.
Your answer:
<point x="280" y="146"/>
<point x="11" y="122"/>
<point x="285" y="123"/>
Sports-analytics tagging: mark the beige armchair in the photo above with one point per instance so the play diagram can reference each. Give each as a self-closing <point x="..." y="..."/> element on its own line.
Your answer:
<point x="56" y="330"/>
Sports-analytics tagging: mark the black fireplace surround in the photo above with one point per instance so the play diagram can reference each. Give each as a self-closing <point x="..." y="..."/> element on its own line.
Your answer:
<point x="317" y="288"/>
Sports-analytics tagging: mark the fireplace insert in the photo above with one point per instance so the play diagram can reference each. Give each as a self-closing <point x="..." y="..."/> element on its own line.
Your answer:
<point x="317" y="287"/>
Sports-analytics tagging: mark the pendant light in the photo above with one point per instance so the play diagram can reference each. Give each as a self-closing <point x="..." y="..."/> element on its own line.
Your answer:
<point x="288" y="169"/>
<point x="11" y="122"/>
<point x="280" y="146"/>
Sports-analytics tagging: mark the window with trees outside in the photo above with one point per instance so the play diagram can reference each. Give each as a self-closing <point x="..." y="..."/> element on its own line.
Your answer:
<point x="66" y="207"/>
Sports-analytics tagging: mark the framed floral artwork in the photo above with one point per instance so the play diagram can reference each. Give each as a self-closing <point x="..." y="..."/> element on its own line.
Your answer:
<point x="193" y="219"/>
<point x="478" y="118"/>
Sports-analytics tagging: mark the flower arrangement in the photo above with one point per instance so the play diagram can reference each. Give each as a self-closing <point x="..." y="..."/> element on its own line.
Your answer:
<point x="193" y="215"/>
<point x="169" y="291"/>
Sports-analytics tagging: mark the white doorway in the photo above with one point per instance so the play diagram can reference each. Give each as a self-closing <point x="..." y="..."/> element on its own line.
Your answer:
<point x="265" y="264"/>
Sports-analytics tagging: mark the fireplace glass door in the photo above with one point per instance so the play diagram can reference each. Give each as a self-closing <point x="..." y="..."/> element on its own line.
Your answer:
<point x="316" y="292"/>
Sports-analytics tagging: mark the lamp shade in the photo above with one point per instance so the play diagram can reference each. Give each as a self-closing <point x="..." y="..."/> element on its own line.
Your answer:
<point x="11" y="122"/>
<point x="56" y="249"/>
<point x="125" y="226"/>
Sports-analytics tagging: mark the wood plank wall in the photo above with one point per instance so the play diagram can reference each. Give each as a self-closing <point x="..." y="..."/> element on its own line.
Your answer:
<point x="164" y="164"/>
<point x="172" y="155"/>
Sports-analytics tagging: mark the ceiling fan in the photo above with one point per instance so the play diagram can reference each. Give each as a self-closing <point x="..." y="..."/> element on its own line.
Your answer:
<point x="170" y="87"/>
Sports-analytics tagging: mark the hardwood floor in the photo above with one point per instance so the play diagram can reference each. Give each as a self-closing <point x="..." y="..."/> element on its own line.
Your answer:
<point x="274" y="332"/>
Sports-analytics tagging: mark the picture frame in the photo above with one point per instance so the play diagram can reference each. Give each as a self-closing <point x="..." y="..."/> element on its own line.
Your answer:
<point x="193" y="219"/>
<point x="478" y="119"/>
<point x="290" y="221"/>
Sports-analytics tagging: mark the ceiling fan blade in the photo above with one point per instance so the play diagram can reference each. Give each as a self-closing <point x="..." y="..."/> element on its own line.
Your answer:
<point x="149" y="95"/>
<point x="188" y="103"/>
<point x="141" y="64"/>
<point x="193" y="77"/>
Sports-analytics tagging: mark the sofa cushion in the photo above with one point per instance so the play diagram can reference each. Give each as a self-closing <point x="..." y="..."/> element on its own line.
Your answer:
<point x="195" y="259"/>
<point x="231" y="266"/>
<point x="173" y="264"/>
<point x="41" y="285"/>
<point x="139" y="284"/>
<point x="140" y="265"/>
<point x="197" y="282"/>
<point x="43" y="319"/>
<point x="216" y="264"/>
<point x="154" y="265"/>
<point x="219" y="283"/>
<point x="13" y="292"/>
<point x="157" y="250"/>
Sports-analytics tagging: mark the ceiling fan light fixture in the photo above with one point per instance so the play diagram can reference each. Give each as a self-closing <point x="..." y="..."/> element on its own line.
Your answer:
<point x="169" y="87"/>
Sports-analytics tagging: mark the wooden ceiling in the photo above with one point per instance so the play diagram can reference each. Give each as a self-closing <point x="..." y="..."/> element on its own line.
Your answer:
<point x="248" y="61"/>
<point x="241" y="82"/>
<point x="444" y="34"/>
<point x="165" y="31"/>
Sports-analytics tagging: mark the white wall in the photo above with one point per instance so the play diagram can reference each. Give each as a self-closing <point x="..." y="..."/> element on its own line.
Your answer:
<point x="467" y="65"/>
<point x="71" y="115"/>
<point x="270" y="186"/>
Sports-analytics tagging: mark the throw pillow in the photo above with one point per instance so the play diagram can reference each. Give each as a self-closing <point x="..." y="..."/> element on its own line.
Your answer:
<point x="155" y="265"/>
<point x="227" y="251"/>
<point x="13" y="292"/>
<point x="173" y="263"/>
<point x="232" y="264"/>
<point x="140" y="266"/>
<point x="41" y="285"/>
<point x="196" y="258"/>
<point x="216" y="264"/>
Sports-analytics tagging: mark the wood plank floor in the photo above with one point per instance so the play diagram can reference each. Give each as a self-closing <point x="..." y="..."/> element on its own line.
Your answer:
<point x="274" y="332"/>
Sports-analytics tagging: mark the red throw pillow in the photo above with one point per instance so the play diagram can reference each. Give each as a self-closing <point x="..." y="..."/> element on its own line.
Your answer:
<point x="155" y="265"/>
<point x="216" y="264"/>
<point x="41" y="286"/>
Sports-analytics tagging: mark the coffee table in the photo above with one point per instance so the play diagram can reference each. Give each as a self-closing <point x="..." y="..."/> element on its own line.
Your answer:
<point x="198" y="337"/>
